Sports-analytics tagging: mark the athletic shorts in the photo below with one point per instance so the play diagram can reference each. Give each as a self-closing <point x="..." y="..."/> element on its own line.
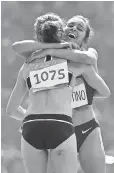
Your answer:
<point x="47" y="131"/>
<point x="82" y="131"/>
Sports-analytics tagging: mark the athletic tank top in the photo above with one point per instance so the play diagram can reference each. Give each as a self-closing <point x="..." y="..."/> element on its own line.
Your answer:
<point x="89" y="90"/>
<point x="48" y="58"/>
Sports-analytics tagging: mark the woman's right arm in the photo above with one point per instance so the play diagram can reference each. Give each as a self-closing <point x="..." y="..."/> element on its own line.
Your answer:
<point x="26" y="47"/>
<point x="17" y="94"/>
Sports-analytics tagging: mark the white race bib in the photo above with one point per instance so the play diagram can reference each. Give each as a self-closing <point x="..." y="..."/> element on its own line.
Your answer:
<point x="49" y="76"/>
<point x="79" y="96"/>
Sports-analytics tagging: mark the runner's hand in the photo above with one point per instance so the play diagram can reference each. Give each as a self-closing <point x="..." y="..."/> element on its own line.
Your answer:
<point x="70" y="45"/>
<point x="37" y="55"/>
<point x="22" y="110"/>
<point x="75" y="46"/>
<point x="66" y="45"/>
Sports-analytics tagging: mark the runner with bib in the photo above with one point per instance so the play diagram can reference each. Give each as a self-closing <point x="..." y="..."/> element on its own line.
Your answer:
<point x="47" y="127"/>
<point x="87" y="128"/>
<point x="88" y="86"/>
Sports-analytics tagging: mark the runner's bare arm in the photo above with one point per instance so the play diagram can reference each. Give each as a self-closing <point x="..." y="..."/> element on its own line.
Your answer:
<point x="86" y="57"/>
<point x="17" y="95"/>
<point x="96" y="82"/>
<point x="26" y="47"/>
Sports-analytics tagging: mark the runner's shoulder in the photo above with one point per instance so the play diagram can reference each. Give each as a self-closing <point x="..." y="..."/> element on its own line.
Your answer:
<point x="93" y="51"/>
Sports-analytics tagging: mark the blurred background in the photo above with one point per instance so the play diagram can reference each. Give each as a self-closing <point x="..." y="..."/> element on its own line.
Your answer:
<point x="17" y="19"/>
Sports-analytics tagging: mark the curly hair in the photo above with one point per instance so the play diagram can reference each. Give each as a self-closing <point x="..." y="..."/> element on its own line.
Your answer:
<point x="47" y="28"/>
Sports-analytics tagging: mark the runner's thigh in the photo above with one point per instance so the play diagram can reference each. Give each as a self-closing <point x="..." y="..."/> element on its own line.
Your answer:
<point x="64" y="158"/>
<point x="34" y="160"/>
<point x="91" y="154"/>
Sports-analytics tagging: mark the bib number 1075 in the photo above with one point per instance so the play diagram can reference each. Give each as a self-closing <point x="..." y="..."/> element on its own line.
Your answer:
<point x="50" y="76"/>
<point x="45" y="75"/>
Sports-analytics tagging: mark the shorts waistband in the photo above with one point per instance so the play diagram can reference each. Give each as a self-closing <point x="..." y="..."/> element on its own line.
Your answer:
<point x="55" y="117"/>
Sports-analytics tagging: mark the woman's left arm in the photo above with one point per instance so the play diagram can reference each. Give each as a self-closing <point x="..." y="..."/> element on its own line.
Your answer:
<point x="96" y="82"/>
<point x="17" y="95"/>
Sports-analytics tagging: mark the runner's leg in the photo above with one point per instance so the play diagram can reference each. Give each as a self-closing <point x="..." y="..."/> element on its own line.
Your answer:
<point x="35" y="161"/>
<point x="64" y="157"/>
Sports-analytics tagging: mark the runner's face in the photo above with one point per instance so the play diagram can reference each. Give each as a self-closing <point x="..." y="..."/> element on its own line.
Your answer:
<point x="75" y="31"/>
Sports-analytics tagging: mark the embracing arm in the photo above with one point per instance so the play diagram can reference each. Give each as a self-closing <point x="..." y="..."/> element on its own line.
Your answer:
<point x="26" y="47"/>
<point x="96" y="82"/>
<point x="86" y="57"/>
<point x="89" y="59"/>
<point x="13" y="109"/>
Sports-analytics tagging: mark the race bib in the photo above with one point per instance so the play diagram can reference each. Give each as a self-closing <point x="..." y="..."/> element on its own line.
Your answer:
<point x="79" y="96"/>
<point x="49" y="76"/>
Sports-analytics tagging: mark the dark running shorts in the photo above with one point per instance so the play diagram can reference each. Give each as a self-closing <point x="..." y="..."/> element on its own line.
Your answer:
<point x="47" y="131"/>
<point x="82" y="131"/>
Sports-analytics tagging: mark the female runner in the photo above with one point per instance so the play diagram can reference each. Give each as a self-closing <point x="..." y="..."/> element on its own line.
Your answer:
<point x="87" y="129"/>
<point x="47" y="125"/>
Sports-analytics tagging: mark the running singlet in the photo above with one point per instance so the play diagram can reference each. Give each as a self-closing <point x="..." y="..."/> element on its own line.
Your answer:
<point x="82" y="94"/>
<point x="48" y="75"/>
